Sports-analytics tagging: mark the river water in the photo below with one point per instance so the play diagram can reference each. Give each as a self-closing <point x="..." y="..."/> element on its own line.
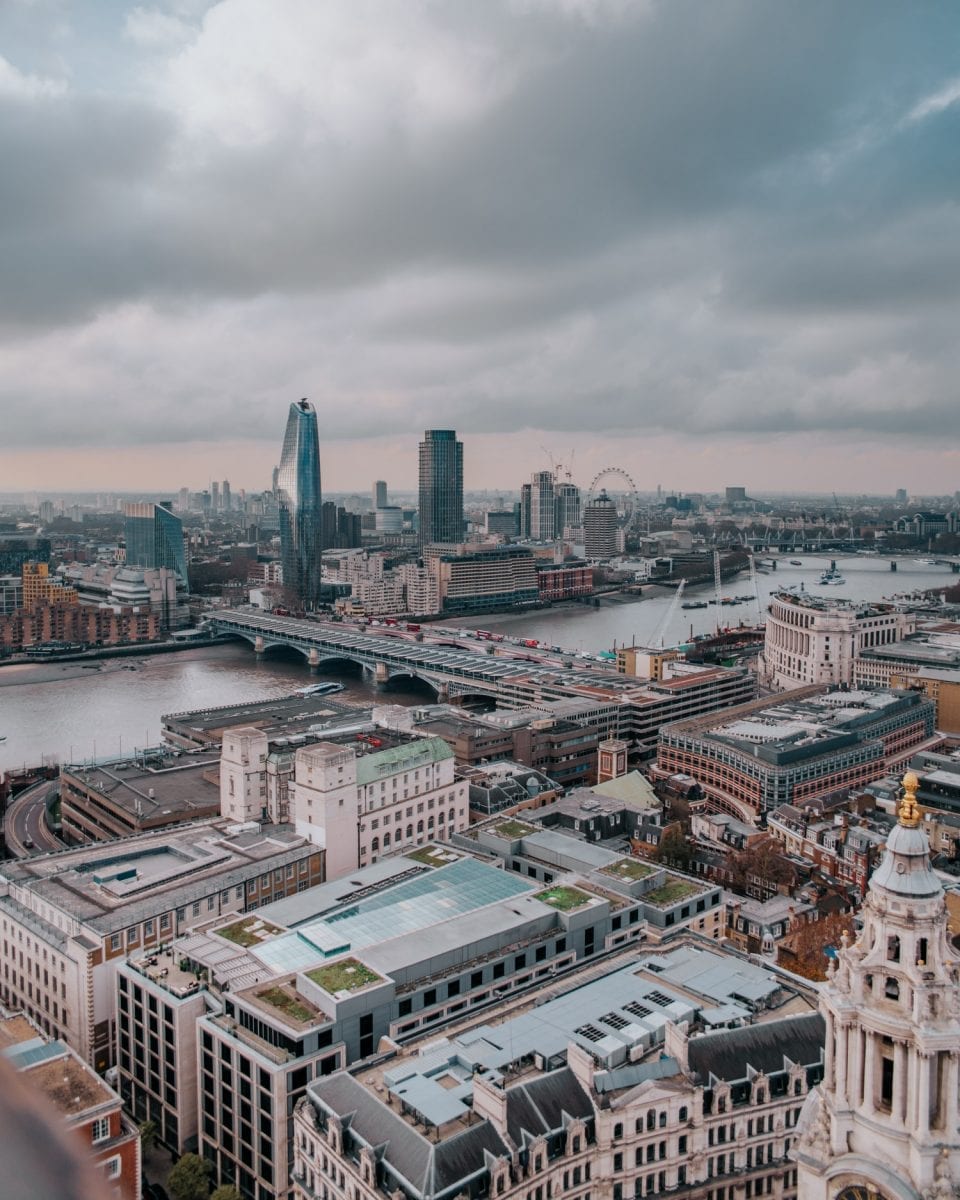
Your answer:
<point x="63" y="711"/>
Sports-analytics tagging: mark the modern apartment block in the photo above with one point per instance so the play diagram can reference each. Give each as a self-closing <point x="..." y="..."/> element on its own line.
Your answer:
<point x="600" y="1091"/>
<point x="806" y="744"/>
<point x="814" y="639"/>
<point x="68" y="920"/>
<point x="493" y="578"/>
<point x="89" y="1109"/>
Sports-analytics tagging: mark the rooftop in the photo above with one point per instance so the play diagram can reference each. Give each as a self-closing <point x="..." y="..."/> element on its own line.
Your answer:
<point x="159" y="788"/>
<point x="111" y="885"/>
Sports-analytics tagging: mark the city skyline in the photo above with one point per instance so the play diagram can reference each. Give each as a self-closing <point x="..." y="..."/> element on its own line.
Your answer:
<point x="735" y="241"/>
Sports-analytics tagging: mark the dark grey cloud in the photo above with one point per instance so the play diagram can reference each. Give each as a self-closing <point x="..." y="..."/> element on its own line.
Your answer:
<point x="710" y="219"/>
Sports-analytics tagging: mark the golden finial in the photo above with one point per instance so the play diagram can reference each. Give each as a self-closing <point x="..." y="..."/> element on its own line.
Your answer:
<point x="909" y="812"/>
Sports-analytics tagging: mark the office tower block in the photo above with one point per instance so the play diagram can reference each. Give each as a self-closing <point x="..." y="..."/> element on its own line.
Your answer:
<point x="600" y="528"/>
<point x="441" y="487"/>
<point x="567" y="504"/>
<point x="226" y="502"/>
<point x="525" y="501"/>
<point x="154" y="538"/>
<point x="215" y="497"/>
<point x="542" y="509"/>
<point x="298" y="488"/>
<point x="380" y="493"/>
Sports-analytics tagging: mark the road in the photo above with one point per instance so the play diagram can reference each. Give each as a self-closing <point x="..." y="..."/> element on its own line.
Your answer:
<point x="24" y="820"/>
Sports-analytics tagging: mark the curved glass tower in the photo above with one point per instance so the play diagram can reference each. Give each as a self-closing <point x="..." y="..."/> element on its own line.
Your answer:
<point x="298" y="495"/>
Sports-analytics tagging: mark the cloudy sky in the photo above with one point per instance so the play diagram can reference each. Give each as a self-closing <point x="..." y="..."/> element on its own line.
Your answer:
<point x="712" y="242"/>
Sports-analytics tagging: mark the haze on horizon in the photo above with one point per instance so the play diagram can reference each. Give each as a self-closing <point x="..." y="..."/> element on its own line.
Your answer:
<point x="713" y="243"/>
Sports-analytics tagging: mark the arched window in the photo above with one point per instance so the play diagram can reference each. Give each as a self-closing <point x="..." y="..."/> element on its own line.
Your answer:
<point x="419" y="827"/>
<point x="430" y="824"/>
<point x="409" y="833"/>
<point x="386" y="840"/>
<point x="440" y="818"/>
<point x="893" y="949"/>
<point x="375" y="846"/>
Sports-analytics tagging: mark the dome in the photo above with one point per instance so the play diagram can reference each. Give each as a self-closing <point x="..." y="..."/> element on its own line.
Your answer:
<point x="905" y="869"/>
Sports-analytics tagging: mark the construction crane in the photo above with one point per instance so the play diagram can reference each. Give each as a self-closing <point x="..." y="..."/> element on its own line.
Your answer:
<point x="716" y="584"/>
<point x="756" y="587"/>
<point x="661" y="630"/>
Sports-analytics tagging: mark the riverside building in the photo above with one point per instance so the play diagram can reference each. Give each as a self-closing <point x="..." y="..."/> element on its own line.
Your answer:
<point x="441" y="487"/>
<point x="814" y="639"/>
<point x="790" y="749"/>
<point x="299" y="499"/>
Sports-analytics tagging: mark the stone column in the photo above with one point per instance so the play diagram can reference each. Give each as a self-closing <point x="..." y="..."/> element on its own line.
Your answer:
<point x="923" y="1096"/>
<point x="842" y="1057"/>
<point x="830" y="1053"/>
<point x="899" y="1106"/>
<point x="856" y="1088"/>
<point x="870" y="1063"/>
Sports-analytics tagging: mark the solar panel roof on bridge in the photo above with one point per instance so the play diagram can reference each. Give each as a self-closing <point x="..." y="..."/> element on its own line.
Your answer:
<point x="412" y="906"/>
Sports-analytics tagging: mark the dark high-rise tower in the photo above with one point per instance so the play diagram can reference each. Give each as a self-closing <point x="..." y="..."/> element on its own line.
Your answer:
<point x="441" y="487"/>
<point x="298" y="495"/>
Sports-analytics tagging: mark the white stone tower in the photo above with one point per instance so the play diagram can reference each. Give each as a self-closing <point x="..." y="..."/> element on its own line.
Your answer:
<point x="883" y="1125"/>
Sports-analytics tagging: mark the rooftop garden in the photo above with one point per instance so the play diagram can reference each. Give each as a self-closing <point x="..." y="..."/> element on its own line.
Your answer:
<point x="564" y="898"/>
<point x="513" y="829"/>
<point x="248" y="932"/>
<point x="671" y="892"/>
<point x="347" y="975"/>
<point x="288" y="1003"/>
<point x="628" y="868"/>
<point x="433" y="856"/>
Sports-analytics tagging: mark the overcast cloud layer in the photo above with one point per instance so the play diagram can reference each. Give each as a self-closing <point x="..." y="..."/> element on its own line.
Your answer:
<point x="618" y="222"/>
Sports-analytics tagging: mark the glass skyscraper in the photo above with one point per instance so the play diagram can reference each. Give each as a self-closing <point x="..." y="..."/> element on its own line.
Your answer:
<point x="441" y="487"/>
<point x="298" y="496"/>
<point x="154" y="538"/>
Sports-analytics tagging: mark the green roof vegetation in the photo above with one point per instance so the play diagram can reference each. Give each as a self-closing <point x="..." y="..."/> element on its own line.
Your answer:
<point x="563" y="898"/>
<point x="433" y="856"/>
<point x="290" y="1005"/>
<point x="248" y="932"/>
<point x="513" y="829"/>
<point x="628" y="868"/>
<point x="347" y="975"/>
<point x="671" y="892"/>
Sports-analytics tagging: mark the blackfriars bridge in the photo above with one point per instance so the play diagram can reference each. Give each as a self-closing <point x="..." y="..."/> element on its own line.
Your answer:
<point x="450" y="670"/>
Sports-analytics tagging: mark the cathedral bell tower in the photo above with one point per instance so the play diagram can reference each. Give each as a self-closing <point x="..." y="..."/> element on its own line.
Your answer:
<point x="883" y="1124"/>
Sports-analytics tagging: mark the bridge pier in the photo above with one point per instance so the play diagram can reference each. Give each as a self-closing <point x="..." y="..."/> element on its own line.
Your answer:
<point x="313" y="658"/>
<point x="258" y="646"/>
<point x="443" y="693"/>
<point x="381" y="673"/>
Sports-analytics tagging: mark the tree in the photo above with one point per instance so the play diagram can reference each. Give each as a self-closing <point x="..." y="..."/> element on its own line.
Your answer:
<point x="761" y="870"/>
<point x="190" y="1178"/>
<point x="674" y="849"/>
<point x="148" y="1134"/>
<point x="803" y="949"/>
<point x="226" y="1191"/>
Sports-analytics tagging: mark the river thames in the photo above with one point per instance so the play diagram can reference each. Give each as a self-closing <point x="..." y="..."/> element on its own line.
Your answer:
<point x="62" y="711"/>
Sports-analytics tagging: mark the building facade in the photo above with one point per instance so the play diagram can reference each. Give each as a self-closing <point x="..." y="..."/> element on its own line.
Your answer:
<point x="810" y="639"/>
<point x="600" y="528"/>
<point x="808" y="744"/>
<point x="441" y="487"/>
<point x="299" y="499"/>
<point x="364" y="806"/>
<point x="154" y="538"/>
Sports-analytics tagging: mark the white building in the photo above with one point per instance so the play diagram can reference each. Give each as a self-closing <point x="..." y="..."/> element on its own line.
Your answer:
<point x="884" y="1122"/>
<point x="362" y="803"/>
<point x="813" y="639"/>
